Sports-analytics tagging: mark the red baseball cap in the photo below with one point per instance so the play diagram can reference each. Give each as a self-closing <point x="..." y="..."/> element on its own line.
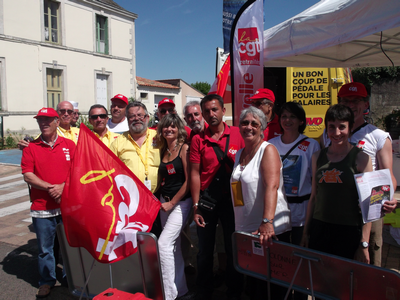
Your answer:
<point x="263" y="94"/>
<point x="164" y="101"/>
<point x="120" y="97"/>
<point x="46" y="112"/>
<point x="353" y="89"/>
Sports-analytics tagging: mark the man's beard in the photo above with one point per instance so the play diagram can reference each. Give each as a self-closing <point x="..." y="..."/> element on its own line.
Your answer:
<point x="135" y="128"/>
<point x="196" y="126"/>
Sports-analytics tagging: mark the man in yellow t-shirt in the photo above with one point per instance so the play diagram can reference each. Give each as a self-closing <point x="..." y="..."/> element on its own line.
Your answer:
<point x="136" y="147"/>
<point x="98" y="117"/>
<point x="65" y="110"/>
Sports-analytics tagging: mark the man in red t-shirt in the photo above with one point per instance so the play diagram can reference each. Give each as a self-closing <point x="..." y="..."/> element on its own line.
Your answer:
<point x="207" y="179"/>
<point x="45" y="165"/>
<point x="264" y="100"/>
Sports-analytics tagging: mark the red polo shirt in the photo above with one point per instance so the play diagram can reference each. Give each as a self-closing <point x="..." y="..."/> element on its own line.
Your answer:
<point x="201" y="152"/>
<point x="273" y="129"/>
<point x="49" y="164"/>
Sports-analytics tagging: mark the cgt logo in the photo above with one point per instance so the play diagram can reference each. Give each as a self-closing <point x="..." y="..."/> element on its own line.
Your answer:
<point x="249" y="46"/>
<point x="233" y="150"/>
<point x="313" y="121"/>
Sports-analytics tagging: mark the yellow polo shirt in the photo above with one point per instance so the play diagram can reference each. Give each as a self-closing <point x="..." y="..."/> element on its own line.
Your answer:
<point x="71" y="134"/>
<point x="127" y="151"/>
<point x="108" y="138"/>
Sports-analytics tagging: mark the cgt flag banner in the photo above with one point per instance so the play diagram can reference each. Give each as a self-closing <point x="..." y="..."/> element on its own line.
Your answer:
<point x="247" y="67"/>
<point x="104" y="204"/>
<point x="222" y="84"/>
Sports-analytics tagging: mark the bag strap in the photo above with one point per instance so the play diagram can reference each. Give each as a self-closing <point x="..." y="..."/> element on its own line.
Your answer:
<point x="291" y="149"/>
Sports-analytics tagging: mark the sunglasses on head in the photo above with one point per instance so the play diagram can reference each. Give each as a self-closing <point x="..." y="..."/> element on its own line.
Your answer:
<point x="170" y="110"/>
<point x="102" y="116"/>
<point x="63" y="111"/>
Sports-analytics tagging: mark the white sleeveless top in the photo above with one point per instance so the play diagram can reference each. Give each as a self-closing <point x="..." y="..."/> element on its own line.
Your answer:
<point x="248" y="218"/>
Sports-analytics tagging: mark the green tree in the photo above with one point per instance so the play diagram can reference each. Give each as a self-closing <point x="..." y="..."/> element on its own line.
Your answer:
<point x="203" y="87"/>
<point x="375" y="75"/>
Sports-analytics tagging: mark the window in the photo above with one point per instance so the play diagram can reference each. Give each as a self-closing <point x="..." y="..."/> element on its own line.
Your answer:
<point x="54" y="87"/>
<point x="143" y="96"/>
<point x="52" y="21"/>
<point x="101" y="34"/>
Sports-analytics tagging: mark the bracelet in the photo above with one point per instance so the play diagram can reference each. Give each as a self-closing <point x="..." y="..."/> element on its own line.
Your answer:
<point x="266" y="220"/>
<point x="195" y="205"/>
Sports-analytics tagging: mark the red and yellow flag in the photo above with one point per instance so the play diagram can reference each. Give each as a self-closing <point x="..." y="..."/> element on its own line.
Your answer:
<point x="222" y="84"/>
<point x="104" y="204"/>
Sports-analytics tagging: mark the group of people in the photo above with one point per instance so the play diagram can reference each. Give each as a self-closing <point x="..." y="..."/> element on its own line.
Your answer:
<point x="264" y="177"/>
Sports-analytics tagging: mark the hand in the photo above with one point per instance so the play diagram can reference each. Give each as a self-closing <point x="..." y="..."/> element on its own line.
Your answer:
<point x="22" y="144"/>
<point x="55" y="191"/>
<point x="304" y="241"/>
<point x="267" y="233"/>
<point x="167" y="206"/>
<point x="198" y="219"/>
<point x="362" y="255"/>
<point x="389" y="206"/>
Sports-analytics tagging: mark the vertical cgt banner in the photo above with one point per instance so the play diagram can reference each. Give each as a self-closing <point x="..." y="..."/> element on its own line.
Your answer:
<point x="247" y="68"/>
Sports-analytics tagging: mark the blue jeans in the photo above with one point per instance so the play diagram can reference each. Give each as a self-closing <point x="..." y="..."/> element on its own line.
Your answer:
<point x="45" y="229"/>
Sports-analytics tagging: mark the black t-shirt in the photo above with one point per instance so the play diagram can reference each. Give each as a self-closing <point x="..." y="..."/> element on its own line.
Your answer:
<point x="172" y="177"/>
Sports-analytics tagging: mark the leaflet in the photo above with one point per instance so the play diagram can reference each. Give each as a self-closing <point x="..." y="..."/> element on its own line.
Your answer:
<point x="374" y="189"/>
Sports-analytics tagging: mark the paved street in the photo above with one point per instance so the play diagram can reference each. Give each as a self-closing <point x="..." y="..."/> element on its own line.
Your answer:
<point x="18" y="251"/>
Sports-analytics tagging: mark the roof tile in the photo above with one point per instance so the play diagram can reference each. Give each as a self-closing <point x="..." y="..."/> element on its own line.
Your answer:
<point x="153" y="83"/>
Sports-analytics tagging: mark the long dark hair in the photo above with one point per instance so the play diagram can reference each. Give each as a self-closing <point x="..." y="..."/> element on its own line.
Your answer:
<point x="167" y="120"/>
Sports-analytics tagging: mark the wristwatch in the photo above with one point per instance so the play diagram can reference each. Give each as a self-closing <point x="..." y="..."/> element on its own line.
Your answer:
<point x="265" y="220"/>
<point x="365" y="245"/>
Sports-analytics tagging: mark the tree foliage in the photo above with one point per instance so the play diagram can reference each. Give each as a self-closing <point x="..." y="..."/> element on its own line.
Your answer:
<point x="375" y="75"/>
<point x="203" y="87"/>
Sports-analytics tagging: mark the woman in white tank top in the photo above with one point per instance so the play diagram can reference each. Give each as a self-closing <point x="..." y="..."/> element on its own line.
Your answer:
<point x="261" y="208"/>
<point x="257" y="193"/>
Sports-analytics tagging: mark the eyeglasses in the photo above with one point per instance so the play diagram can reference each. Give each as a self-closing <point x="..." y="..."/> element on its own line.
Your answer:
<point x="77" y="113"/>
<point x="102" y="116"/>
<point x="259" y="103"/>
<point x="170" y="110"/>
<point x="253" y="124"/>
<point x="138" y="116"/>
<point x="63" y="111"/>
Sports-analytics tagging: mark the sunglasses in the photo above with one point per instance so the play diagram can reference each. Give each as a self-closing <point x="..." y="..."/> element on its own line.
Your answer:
<point x="170" y="110"/>
<point x="347" y="101"/>
<point x="102" y="116"/>
<point x="253" y="124"/>
<point x="259" y="103"/>
<point x="63" y="111"/>
<point x="77" y="113"/>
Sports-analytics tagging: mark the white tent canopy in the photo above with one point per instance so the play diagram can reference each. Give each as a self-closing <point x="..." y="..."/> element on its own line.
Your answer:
<point x="337" y="33"/>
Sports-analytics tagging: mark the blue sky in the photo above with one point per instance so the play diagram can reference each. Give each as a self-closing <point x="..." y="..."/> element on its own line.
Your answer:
<point x="178" y="38"/>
